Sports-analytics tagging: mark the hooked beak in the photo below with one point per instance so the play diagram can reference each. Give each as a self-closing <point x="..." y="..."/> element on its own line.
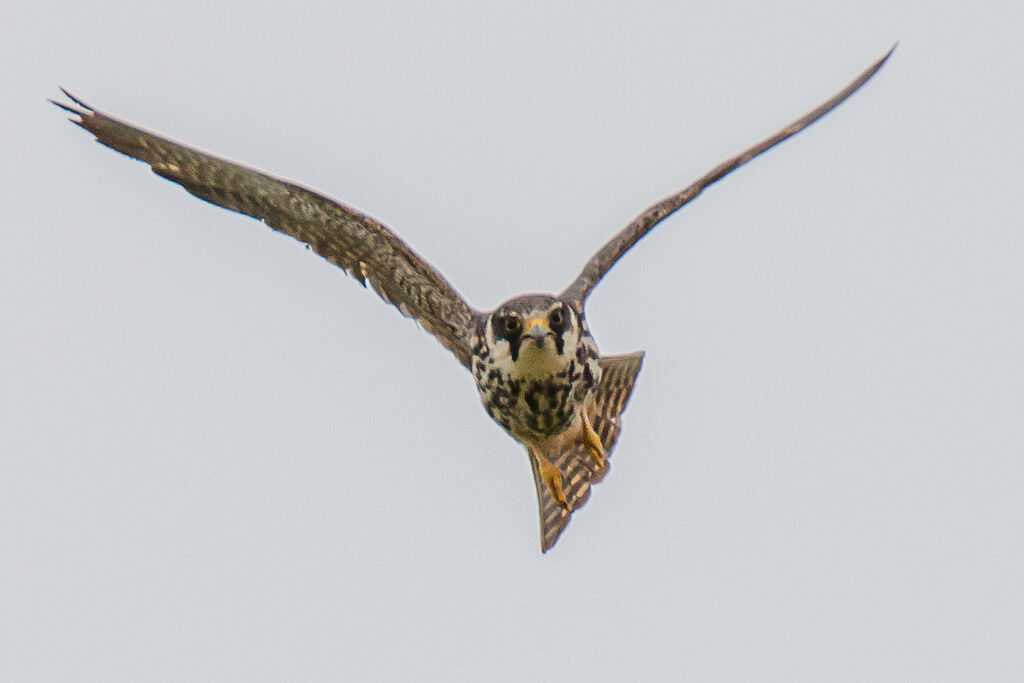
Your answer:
<point x="537" y="330"/>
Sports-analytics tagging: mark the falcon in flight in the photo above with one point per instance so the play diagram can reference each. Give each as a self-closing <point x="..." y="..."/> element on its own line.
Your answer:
<point x="535" y="363"/>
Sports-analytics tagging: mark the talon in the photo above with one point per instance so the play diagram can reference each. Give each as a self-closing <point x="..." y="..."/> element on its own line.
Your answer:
<point x="552" y="476"/>
<point x="593" y="442"/>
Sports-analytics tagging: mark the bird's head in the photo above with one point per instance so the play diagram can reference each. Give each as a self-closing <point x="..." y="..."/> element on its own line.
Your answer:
<point x="535" y="332"/>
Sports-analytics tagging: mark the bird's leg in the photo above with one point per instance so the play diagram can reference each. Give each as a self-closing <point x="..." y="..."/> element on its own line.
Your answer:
<point x="552" y="476"/>
<point x="592" y="441"/>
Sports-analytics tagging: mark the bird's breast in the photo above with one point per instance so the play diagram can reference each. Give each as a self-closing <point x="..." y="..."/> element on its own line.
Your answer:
<point x="539" y="395"/>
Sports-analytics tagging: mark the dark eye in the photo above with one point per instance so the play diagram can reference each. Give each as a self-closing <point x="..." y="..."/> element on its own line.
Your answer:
<point x="512" y="324"/>
<point x="556" y="319"/>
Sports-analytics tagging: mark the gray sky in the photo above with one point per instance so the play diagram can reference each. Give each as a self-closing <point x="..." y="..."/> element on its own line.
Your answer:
<point x="223" y="460"/>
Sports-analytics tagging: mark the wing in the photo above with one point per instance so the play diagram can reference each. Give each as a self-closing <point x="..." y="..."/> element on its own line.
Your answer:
<point x="618" y="373"/>
<point x="601" y="262"/>
<point x="363" y="247"/>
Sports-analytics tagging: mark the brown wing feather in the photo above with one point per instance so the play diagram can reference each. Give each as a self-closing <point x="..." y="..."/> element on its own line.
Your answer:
<point x="578" y="469"/>
<point x="601" y="262"/>
<point x="363" y="247"/>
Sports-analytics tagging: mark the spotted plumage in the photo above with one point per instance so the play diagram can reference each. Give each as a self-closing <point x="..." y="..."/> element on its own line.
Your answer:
<point x="536" y="363"/>
<point x="536" y="366"/>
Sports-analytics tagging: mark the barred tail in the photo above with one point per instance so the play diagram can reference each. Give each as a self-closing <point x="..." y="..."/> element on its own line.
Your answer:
<point x="579" y="471"/>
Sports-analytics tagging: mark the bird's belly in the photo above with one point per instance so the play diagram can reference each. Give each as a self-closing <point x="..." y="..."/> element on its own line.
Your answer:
<point x="531" y="409"/>
<point x="544" y="408"/>
<point x="534" y="402"/>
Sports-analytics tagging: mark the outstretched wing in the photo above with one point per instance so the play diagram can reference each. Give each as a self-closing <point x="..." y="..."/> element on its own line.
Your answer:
<point x="579" y="471"/>
<point x="364" y="248"/>
<point x="601" y="262"/>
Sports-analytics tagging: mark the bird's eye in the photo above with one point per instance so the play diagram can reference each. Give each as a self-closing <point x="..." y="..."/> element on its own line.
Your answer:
<point x="556" y="319"/>
<point x="513" y="324"/>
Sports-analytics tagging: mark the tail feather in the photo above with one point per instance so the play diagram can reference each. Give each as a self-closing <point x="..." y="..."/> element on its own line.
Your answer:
<point x="579" y="471"/>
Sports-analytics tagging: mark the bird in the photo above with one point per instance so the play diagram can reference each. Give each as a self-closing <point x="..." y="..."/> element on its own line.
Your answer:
<point x="534" y="361"/>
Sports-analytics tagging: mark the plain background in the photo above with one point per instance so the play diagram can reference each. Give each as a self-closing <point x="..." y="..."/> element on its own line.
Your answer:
<point x="223" y="460"/>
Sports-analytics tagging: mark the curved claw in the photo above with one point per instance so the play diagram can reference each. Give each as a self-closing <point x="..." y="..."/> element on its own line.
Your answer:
<point x="552" y="476"/>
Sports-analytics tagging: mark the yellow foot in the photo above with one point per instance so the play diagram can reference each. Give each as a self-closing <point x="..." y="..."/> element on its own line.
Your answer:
<point x="552" y="476"/>
<point x="593" y="442"/>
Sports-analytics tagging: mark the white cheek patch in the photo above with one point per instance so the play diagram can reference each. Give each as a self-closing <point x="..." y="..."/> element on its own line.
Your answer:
<point x="572" y="338"/>
<point x="501" y="351"/>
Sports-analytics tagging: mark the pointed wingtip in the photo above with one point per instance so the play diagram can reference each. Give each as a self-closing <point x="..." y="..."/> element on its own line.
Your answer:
<point x="78" y="108"/>
<point x="853" y="87"/>
<point x="74" y="99"/>
<point x="881" y="62"/>
<point x="889" y="53"/>
<point x="66" y="107"/>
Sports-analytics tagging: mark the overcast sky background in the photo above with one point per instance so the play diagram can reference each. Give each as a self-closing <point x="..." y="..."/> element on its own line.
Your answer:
<point x="223" y="460"/>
